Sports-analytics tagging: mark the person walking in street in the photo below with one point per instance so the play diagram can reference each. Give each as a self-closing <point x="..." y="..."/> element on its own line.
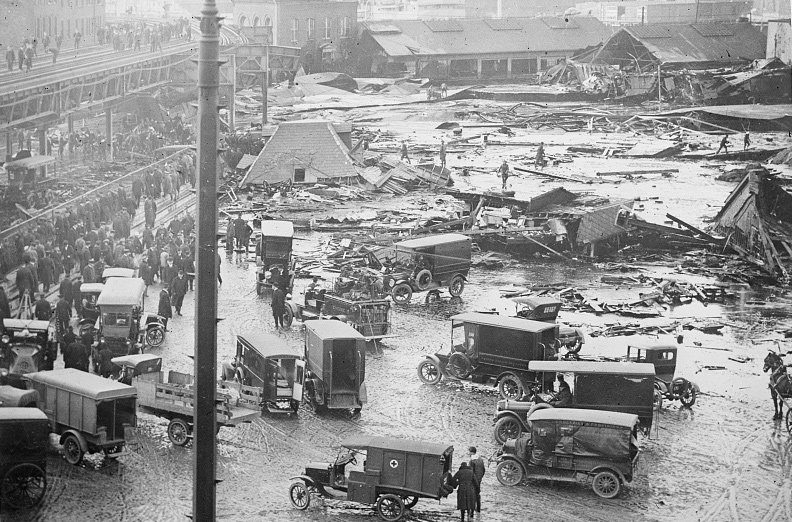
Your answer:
<point x="404" y="155"/>
<point x="746" y="141"/>
<point x="43" y="309"/>
<point x="164" y="309"/>
<point x="466" y="492"/>
<point x="724" y="144"/>
<point x="442" y="153"/>
<point x="105" y="359"/>
<point x="539" y="161"/>
<point x="504" y="172"/>
<point x="278" y="306"/>
<point x="66" y="291"/>
<point x="178" y="289"/>
<point x="46" y="271"/>
<point x="26" y="280"/>
<point x="73" y="353"/>
<point x="479" y="468"/>
<point x="62" y="316"/>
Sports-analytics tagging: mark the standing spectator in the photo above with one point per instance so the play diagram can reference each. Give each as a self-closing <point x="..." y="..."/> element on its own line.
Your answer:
<point x="164" y="309"/>
<point x="77" y="38"/>
<point x="746" y="141"/>
<point x="443" y="90"/>
<point x="26" y="280"/>
<point x="479" y="468"/>
<point x="43" y="309"/>
<point x="150" y="211"/>
<point x="278" y="306"/>
<point x="539" y="161"/>
<point x="62" y="316"/>
<point x="166" y="187"/>
<point x="5" y="308"/>
<point x="105" y="359"/>
<point x="404" y="154"/>
<point x="189" y="270"/>
<point x="59" y="41"/>
<point x="77" y="295"/>
<point x="466" y="491"/>
<point x="504" y="172"/>
<point x="442" y="153"/>
<point x="66" y="291"/>
<point x="55" y="59"/>
<point x="28" y="58"/>
<point x="45" y="42"/>
<point x="21" y="60"/>
<point x="10" y="58"/>
<point x="178" y="288"/>
<point x="73" y="353"/>
<point x="46" y="271"/>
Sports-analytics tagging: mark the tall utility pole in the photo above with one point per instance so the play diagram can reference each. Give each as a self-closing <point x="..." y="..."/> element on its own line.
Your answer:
<point x="204" y="465"/>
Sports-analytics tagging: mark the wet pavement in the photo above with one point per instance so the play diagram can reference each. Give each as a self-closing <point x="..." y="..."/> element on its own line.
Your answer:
<point x="723" y="460"/>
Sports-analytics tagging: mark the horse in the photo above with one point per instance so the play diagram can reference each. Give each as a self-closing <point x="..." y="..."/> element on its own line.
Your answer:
<point x="780" y="381"/>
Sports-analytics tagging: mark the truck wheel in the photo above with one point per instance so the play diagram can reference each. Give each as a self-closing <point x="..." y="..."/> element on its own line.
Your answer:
<point x="606" y="484"/>
<point x="23" y="486"/>
<point x="401" y="293"/>
<point x="178" y="432"/>
<point x="410" y="501"/>
<point x="390" y="507"/>
<point x="428" y="372"/>
<point x="459" y="365"/>
<point x="72" y="450"/>
<point x="423" y="279"/>
<point x="299" y="496"/>
<point x="511" y="387"/>
<point x="456" y="286"/>
<point x="288" y="317"/>
<point x="509" y="473"/>
<point x="507" y="428"/>
<point x="155" y="336"/>
<point x="688" y="395"/>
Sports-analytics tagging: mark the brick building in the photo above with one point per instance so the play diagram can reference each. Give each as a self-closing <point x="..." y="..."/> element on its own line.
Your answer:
<point x="323" y="29"/>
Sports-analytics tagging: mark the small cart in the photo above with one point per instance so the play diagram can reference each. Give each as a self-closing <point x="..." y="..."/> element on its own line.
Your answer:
<point x="24" y="438"/>
<point x="274" y="251"/>
<point x="389" y="472"/>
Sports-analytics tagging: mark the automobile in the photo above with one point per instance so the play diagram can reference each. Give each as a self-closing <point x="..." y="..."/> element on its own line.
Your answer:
<point x="663" y="356"/>
<point x="25" y="347"/>
<point x="116" y="271"/>
<point x="269" y="371"/>
<point x="426" y="264"/>
<point x="489" y="347"/>
<point x="90" y="311"/>
<point x="24" y="439"/>
<point x="274" y="251"/>
<point x="131" y="366"/>
<point x="31" y="173"/>
<point x="569" y="445"/>
<point x="391" y="473"/>
<point x="546" y="309"/>
<point x="122" y="320"/>
<point x="612" y="386"/>
<point x="17" y="397"/>
<point x="88" y="412"/>
<point x="335" y="362"/>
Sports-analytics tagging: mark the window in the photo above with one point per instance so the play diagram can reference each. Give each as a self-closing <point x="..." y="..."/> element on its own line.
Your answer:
<point x="327" y="28"/>
<point x="310" y="28"/>
<point x="299" y="175"/>
<point x="295" y="29"/>
<point x="345" y="26"/>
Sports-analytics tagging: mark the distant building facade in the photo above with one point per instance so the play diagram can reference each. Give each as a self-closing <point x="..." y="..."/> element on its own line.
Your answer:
<point x="20" y="19"/>
<point x="516" y="8"/>
<point x="637" y="12"/>
<point x="322" y="29"/>
<point x="779" y="40"/>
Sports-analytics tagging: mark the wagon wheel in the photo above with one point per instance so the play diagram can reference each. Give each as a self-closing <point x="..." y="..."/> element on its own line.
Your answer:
<point x="410" y="501"/>
<point x="789" y="421"/>
<point x="178" y="432"/>
<point x="688" y="396"/>
<point x="72" y="450"/>
<point x="288" y="317"/>
<point x="155" y="336"/>
<point x="507" y="428"/>
<point x="299" y="495"/>
<point x="23" y="486"/>
<point x="459" y="365"/>
<point x="428" y="372"/>
<point x="511" y="387"/>
<point x="390" y="507"/>
<point x="401" y="293"/>
<point x="509" y="473"/>
<point x="606" y="484"/>
<point x="456" y="286"/>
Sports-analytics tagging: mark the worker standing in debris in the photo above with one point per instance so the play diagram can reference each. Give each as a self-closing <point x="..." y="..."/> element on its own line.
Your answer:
<point x="443" y="90"/>
<point x="724" y="144"/>
<point x="539" y="161"/>
<point x="746" y="141"/>
<point x="442" y="153"/>
<point x="404" y="155"/>
<point x="504" y="172"/>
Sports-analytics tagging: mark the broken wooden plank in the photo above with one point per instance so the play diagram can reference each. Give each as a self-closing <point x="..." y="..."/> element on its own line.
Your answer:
<point x="637" y="172"/>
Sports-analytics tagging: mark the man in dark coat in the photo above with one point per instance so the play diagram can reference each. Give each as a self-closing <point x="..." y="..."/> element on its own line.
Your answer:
<point x="66" y="290"/>
<point x="43" y="309"/>
<point x="25" y="280"/>
<point x="73" y="353"/>
<point x="62" y="316"/>
<point x="278" y="306"/>
<point x="46" y="271"/>
<point x="479" y="468"/>
<point x="105" y="358"/>
<point x="164" y="310"/>
<point x="178" y="289"/>
<point x="466" y="490"/>
<point x="5" y="308"/>
<point x="77" y="295"/>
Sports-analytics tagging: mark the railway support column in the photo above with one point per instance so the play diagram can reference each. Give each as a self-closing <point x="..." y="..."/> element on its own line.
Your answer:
<point x="9" y="146"/>
<point x="42" y="139"/>
<point x="109" y="130"/>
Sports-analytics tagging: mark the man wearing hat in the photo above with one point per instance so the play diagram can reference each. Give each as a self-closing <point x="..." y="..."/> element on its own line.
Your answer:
<point x="178" y="289"/>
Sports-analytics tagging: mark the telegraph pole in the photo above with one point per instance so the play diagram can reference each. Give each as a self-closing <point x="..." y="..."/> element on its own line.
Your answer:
<point x="204" y="465"/>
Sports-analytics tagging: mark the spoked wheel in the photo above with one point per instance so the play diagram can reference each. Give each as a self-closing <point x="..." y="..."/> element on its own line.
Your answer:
<point x="299" y="495"/>
<point x="410" y="501"/>
<point x="789" y="421"/>
<point x="511" y="387"/>
<point x="459" y="365"/>
<point x="23" y="486"/>
<point x="507" y="428"/>
<point x="155" y="336"/>
<point x="390" y="507"/>
<point x="72" y="450"/>
<point x="688" y="397"/>
<point x="606" y="484"/>
<point x="456" y="286"/>
<point x="401" y="293"/>
<point x="178" y="432"/>
<point x="509" y="473"/>
<point x="428" y="372"/>
<point x="288" y="317"/>
<point x="355" y="414"/>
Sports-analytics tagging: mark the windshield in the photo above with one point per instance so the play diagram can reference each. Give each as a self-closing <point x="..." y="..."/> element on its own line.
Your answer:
<point x="115" y="319"/>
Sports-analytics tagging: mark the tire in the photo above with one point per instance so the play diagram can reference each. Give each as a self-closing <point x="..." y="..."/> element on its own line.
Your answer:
<point x="155" y="336"/>
<point x="789" y="421"/>
<point x="72" y="450"/>
<point x="657" y="402"/>
<point x="401" y="293"/>
<point x="456" y="286"/>
<point x="509" y="473"/>
<point x="410" y="501"/>
<point x="459" y="366"/>
<point x="511" y="387"/>
<point x="688" y="397"/>
<point x="288" y="317"/>
<point x="507" y="428"/>
<point x="428" y="372"/>
<point x="390" y="507"/>
<point x="423" y="279"/>
<point x="299" y="496"/>
<point x="606" y="484"/>
<point x="23" y="486"/>
<point x="179" y="432"/>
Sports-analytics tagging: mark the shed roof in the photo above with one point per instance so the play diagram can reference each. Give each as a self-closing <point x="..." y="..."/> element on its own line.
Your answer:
<point x="626" y="420"/>
<point x="330" y="329"/>
<point x="121" y="291"/>
<point x="396" y="444"/>
<point x="277" y="228"/>
<point x="22" y="414"/>
<point x="427" y="241"/>
<point x="613" y="368"/>
<point x="82" y="383"/>
<point x="502" y="321"/>
<point x="310" y="144"/>
<point x="270" y="345"/>
<point x="405" y="38"/>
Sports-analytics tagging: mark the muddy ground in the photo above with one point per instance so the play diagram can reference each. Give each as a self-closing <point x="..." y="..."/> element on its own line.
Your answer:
<point x="723" y="460"/>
